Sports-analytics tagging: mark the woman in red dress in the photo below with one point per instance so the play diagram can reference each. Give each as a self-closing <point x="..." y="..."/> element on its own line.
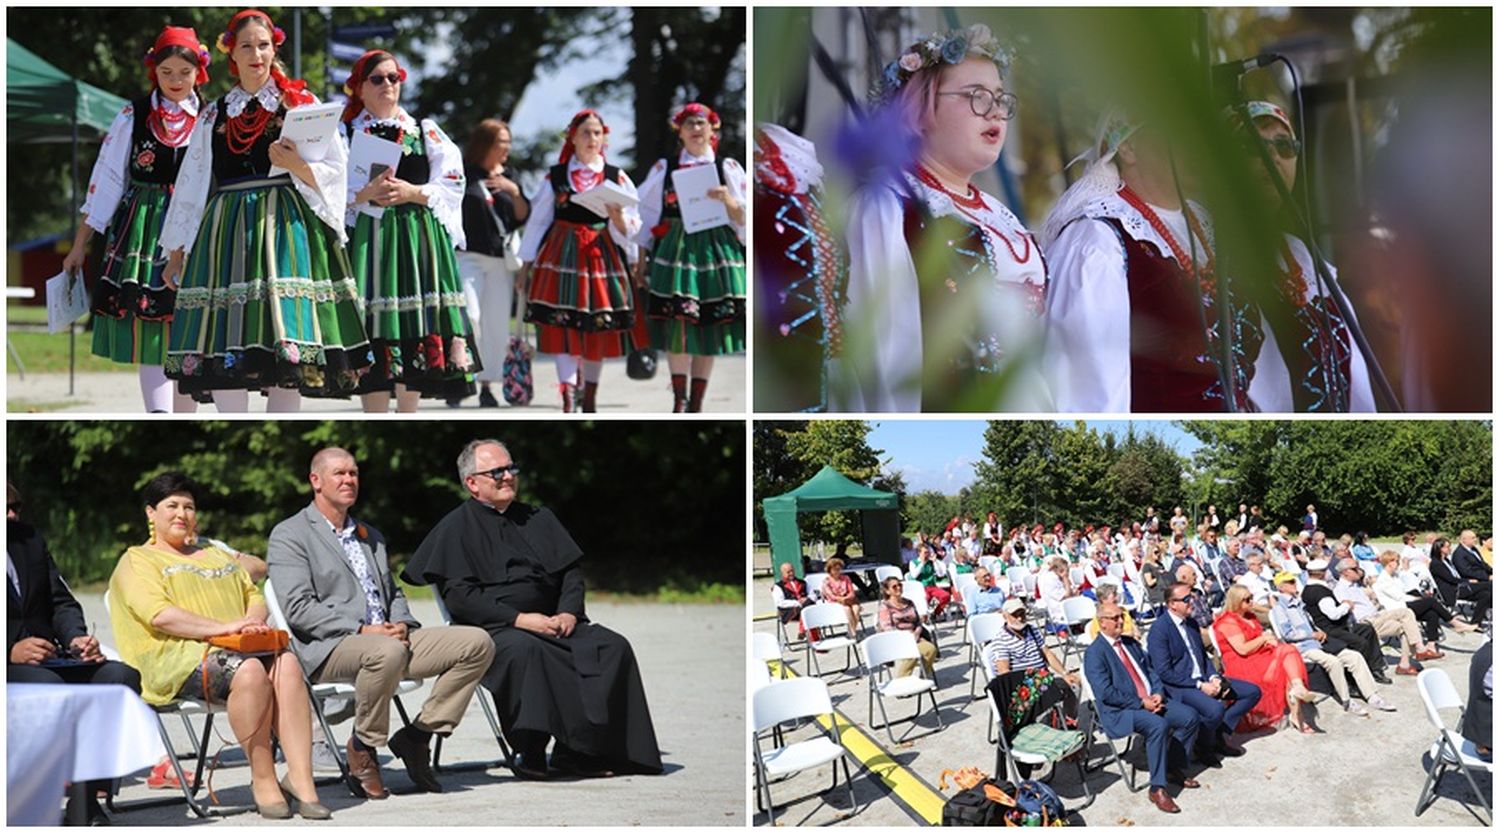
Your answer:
<point x="1251" y="654"/>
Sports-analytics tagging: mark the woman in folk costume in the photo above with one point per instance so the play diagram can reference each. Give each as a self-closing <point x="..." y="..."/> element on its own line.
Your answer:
<point x="128" y="196"/>
<point x="1309" y="362"/>
<point x="800" y="275"/>
<point x="696" y="279"/>
<point x="267" y="299"/>
<point x="1134" y="320"/>
<point x="576" y="263"/>
<point x="946" y="288"/>
<point x="404" y="262"/>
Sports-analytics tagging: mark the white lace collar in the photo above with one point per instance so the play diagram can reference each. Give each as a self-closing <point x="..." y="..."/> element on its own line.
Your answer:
<point x="187" y="105"/>
<point x="797" y="155"/>
<point x="684" y="158"/>
<point x="576" y="164"/>
<point x="1114" y="207"/>
<point x="401" y="119"/>
<point x="269" y="96"/>
<point x="993" y="212"/>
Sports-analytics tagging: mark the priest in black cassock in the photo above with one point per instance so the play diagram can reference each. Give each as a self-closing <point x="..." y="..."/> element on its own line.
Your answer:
<point x="513" y="570"/>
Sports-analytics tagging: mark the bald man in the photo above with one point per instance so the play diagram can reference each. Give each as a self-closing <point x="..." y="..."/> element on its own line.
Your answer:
<point x="350" y="623"/>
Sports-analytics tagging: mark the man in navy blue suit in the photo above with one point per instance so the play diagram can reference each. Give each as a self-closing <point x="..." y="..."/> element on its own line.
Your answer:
<point x="1130" y="698"/>
<point x="1175" y="645"/>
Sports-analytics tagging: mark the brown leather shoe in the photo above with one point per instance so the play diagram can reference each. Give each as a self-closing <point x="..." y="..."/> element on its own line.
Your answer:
<point x="1162" y="801"/>
<point x="1182" y="780"/>
<point x="364" y="770"/>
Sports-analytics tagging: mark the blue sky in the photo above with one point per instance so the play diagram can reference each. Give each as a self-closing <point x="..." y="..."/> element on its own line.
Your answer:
<point x="939" y="454"/>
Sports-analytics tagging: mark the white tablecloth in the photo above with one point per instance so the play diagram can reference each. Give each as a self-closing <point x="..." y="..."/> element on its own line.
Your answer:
<point x="58" y="733"/>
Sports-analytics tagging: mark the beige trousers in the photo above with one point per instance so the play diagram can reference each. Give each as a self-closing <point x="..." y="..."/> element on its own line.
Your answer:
<point x="457" y="656"/>
<point x="1346" y="661"/>
<point x="1401" y="622"/>
<point x="928" y="651"/>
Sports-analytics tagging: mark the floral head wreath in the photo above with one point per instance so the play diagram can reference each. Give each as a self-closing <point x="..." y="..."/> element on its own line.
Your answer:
<point x="185" y="37"/>
<point x="572" y="130"/>
<point x="357" y="76"/>
<point x="696" y="109"/>
<point x="226" y="40"/>
<point x="937" y="49"/>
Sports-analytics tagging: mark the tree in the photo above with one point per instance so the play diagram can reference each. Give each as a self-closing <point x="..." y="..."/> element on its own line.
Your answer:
<point x="844" y="445"/>
<point x="1015" y="477"/>
<point x="928" y="511"/>
<point x="776" y="471"/>
<point x="1081" y="470"/>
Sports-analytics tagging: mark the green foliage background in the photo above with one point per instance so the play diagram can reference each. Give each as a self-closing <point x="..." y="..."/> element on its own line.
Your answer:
<point x="655" y="505"/>
<point x="1383" y="477"/>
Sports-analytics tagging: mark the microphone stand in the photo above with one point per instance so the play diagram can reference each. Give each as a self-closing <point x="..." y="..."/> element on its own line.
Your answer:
<point x="1381" y="383"/>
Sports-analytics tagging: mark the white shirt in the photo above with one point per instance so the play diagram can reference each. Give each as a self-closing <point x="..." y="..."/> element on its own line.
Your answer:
<point x="543" y="201"/>
<point x="1348" y="592"/>
<point x="1087" y="355"/>
<point x="1258" y="586"/>
<point x="655" y="185"/>
<point x="1390" y="588"/>
<point x="1272" y="386"/>
<point x="882" y="364"/>
<point x="1187" y="635"/>
<point x="191" y="192"/>
<point x="1114" y="647"/>
<point x="445" y="181"/>
<point x="111" y="175"/>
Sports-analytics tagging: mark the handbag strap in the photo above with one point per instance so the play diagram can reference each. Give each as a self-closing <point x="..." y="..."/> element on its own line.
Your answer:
<point x="270" y="708"/>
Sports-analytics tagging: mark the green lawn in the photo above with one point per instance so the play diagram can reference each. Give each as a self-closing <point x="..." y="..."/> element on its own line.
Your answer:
<point x="45" y="352"/>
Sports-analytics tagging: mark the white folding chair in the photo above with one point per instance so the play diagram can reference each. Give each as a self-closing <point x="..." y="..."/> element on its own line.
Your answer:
<point x="1076" y="610"/>
<point x="981" y="630"/>
<point x="964" y="586"/>
<point x="887" y="571"/>
<point x="1450" y="751"/>
<point x="1035" y="744"/>
<point x="328" y="691"/>
<point x="879" y="652"/>
<point x="1017" y="576"/>
<point x="782" y="702"/>
<point x="1118" y="571"/>
<point x="484" y="704"/>
<point x="766" y="649"/>
<point x="184" y="709"/>
<point x="988" y="562"/>
<point x="827" y="618"/>
<point x="759" y="676"/>
<point x="915" y="592"/>
<point x="814" y="585"/>
<point x="1076" y="574"/>
<point x="1126" y="772"/>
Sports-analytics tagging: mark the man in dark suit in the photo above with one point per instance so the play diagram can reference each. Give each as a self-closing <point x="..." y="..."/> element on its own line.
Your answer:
<point x="1475" y="573"/>
<point x="46" y="640"/>
<point x="1130" y="698"/>
<point x="1176" y="651"/>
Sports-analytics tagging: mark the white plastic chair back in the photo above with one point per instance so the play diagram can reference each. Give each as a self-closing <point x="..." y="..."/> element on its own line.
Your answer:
<point x="967" y="587"/>
<point x="825" y="615"/>
<point x="984" y="628"/>
<point x="1076" y="574"/>
<point x="273" y="605"/>
<point x="1117" y="570"/>
<point x="1078" y="609"/>
<point x="765" y="647"/>
<point x="916" y="592"/>
<point x="887" y="647"/>
<point x="887" y="571"/>
<point x="988" y="562"/>
<point x="814" y="585"/>
<point x="759" y="676"/>
<point x="789" y="700"/>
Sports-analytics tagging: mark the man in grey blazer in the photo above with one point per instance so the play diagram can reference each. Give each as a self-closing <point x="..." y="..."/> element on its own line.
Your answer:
<point x="350" y="623"/>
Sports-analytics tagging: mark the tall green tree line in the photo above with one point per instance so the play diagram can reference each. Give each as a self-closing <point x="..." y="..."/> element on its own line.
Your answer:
<point x="652" y="504"/>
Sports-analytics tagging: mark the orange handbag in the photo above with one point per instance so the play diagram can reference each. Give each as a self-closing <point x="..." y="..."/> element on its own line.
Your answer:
<point x="270" y="642"/>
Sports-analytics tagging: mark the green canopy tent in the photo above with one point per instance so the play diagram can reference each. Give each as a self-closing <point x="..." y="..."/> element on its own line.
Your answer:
<point x="45" y="104"/>
<point x="829" y="491"/>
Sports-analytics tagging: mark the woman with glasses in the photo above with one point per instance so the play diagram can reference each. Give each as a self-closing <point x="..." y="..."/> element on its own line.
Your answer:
<point x="1309" y="362"/>
<point x="404" y="224"/>
<point x="897" y="613"/>
<point x="946" y="288"/>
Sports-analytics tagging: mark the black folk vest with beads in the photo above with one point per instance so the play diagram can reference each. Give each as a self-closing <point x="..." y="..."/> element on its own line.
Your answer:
<point x="562" y="187"/>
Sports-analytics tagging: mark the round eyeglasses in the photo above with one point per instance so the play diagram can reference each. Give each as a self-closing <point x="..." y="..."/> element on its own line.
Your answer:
<point x="1283" y="146"/>
<point x="983" y="101"/>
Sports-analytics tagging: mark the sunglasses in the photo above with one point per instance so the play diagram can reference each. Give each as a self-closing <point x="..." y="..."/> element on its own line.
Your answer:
<point x="1118" y="617"/>
<point x="391" y="78"/>
<point x="499" y="473"/>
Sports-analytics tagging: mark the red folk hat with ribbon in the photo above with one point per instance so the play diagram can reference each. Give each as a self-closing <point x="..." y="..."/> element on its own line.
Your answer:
<point x="572" y="130"/>
<point x="361" y="71"/>
<point x="185" y="37"/>
<point x="696" y="109"/>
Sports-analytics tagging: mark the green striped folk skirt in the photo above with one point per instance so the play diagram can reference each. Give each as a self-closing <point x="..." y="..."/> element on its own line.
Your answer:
<point x="266" y="299"/>
<point x="130" y="303"/>
<point x="414" y="310"/>
<point x="697" y="291"/>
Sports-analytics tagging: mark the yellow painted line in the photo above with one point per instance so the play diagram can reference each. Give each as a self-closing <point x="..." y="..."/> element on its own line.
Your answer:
<point x="915" y="795"/>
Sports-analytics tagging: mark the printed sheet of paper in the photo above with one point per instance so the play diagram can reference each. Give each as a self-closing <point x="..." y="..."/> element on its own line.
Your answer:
<point x="313" y="128"/>
<point x="370" y="157"/>
<point x="699" y="211"/>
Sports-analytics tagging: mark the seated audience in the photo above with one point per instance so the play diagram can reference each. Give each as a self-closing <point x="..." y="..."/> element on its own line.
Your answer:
<point x="989" y="596"/>
<point x="932" y="573"/>
<point x="1130" y="696"/>
<point x="1336" y="618"/>
<point x="1460" y="576"/>
<point x="896" y="612"/>
<point x="793" y="597"/>
<point x="1399" y="622"/>
<point x="1175" y="645"/>
<point x="1398" y="586"/>
<point x="1109" y="592"/>
<point x="1330" y="652"/>
<point x="838" y="589"/>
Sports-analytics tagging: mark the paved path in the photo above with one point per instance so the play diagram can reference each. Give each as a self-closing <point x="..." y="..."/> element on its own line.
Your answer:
<point x="1361" y="771"/>
<point x="119" y="393"/>
<point x="692" y="661"/>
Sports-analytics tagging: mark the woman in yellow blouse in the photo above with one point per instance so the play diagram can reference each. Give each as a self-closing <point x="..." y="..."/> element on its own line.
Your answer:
<point x="167" y="597"/>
